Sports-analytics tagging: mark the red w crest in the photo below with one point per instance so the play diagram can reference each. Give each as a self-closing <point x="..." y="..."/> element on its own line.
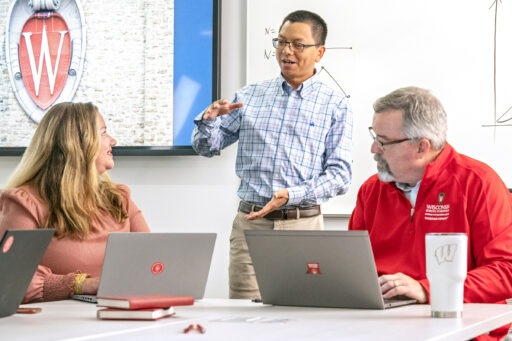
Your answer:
<point x="44" y="56"/>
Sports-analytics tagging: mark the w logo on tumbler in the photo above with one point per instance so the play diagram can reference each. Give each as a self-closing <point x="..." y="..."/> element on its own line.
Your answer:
<point x="445" y="253"/>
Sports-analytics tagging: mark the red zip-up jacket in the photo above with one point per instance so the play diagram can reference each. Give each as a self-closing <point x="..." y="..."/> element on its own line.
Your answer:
<point x="457" y="194"/>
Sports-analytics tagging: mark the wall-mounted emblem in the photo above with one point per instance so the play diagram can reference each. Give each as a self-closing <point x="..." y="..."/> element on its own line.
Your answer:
<point x="45" y="52"/>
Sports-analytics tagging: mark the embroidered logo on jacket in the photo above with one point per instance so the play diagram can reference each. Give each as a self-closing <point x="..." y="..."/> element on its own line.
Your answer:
<point x="440" y="198"/>
<point x="441" y="211"/>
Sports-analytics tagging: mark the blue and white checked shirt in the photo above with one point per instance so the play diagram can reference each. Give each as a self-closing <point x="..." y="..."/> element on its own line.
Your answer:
<point x="295" y="139"/>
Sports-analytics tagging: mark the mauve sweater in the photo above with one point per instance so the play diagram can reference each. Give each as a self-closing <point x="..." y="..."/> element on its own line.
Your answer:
<point x="21" y="208"/>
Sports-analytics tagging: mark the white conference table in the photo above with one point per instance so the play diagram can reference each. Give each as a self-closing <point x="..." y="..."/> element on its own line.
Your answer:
<point x="244" y="320"/>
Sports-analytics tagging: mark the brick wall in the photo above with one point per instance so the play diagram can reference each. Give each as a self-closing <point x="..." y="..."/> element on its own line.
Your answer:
<point x="127" y="72"/>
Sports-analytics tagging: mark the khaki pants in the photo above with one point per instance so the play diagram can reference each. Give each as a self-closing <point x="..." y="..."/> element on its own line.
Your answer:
<point x="242" y="281"/>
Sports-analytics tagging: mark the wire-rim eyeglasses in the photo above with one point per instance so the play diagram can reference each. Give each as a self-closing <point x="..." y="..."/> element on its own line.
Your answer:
<point x="294" y="46"/>
<point x="387" y="143"/>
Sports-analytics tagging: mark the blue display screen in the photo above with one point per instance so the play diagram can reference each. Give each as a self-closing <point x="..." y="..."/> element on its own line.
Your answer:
<point x="195" y="64"/>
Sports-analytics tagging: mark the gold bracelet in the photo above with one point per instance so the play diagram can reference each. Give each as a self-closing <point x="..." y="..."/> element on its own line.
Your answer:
<point x="79" y="282"/>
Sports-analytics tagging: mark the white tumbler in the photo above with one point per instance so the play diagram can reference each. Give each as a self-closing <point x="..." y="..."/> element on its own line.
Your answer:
<point x="446" y="258"/>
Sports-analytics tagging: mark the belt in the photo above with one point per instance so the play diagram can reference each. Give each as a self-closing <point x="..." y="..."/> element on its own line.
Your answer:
<point x="282" y="214"/>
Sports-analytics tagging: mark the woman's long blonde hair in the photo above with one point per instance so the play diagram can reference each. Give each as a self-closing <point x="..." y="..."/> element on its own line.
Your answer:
<point x="60" y="165"/>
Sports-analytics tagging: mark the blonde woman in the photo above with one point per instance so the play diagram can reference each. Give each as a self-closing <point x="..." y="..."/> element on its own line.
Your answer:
<point x="61" y="182"/>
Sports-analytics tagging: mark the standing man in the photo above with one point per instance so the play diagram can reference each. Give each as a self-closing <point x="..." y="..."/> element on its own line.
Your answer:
<point x="423" y="185"/>
<point x="295" y="144"/>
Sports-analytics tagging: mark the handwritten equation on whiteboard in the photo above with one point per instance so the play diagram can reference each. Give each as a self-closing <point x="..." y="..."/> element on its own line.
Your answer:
<point x="500" y="118"/>
<point x="270" y="33"/>
<point x="261" y="60"/>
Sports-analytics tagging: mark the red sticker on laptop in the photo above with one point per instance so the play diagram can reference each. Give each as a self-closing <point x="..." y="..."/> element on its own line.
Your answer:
<point x="8" y="243"/>
<point x="313" y="268"/>
<point x="157" y="268"/>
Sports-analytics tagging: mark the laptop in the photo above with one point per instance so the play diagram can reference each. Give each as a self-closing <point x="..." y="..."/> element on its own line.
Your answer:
<point x="155" y="263"/>
<point x="317" y="269"/>
<point x="21" y="252"/>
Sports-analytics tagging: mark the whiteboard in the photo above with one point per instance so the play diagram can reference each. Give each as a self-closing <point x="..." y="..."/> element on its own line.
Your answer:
<point x="376" y="46"/>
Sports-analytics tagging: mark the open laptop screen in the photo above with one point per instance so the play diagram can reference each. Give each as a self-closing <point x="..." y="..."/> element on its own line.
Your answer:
<point x="316" y="268"/>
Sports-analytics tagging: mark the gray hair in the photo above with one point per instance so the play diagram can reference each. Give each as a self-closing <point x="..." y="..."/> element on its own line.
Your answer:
<point x="423" y="113"/>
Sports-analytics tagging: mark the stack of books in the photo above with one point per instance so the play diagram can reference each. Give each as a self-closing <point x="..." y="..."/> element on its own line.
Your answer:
<point x="140" y="307"/>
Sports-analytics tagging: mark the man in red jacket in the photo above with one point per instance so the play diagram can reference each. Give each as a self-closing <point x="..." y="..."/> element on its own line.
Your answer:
<point x="423" y="185"/>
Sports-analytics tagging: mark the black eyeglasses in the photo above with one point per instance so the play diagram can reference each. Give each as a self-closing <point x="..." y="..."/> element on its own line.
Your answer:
<point x="295" y="47"/>
<point x="383" y="144"/>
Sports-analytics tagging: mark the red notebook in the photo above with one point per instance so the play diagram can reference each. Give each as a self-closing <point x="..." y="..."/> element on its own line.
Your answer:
<point x="144" y="301"/>
<point x="140" y="314"/>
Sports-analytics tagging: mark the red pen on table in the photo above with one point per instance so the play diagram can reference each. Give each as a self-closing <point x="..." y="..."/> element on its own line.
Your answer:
<point x="198" y="327"/>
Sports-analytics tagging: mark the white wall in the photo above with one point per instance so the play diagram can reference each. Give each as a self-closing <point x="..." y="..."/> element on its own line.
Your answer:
<point x="396" y="43"/>
<point x="192" y="193"/>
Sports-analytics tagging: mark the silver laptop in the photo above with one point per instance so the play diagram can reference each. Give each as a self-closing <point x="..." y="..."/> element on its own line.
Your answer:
<point x="21" y="252"/>
<point x="317" y="268"/>
<point x="148" y="263"/>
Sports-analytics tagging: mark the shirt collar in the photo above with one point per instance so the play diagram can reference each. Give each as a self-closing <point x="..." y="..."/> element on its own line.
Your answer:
<point x="406" y="187"/>
<point x="411" y="192"/>
<point x="304" y="89"/>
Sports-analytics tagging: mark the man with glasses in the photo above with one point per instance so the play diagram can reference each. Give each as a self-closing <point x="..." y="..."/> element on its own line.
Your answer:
<point x="423" y="185"/>
<point x="294" y="138"/>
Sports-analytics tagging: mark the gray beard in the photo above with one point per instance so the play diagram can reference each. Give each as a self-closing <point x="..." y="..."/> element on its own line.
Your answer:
<point x="385" y="177"/>
<point x="383" y="170"/>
